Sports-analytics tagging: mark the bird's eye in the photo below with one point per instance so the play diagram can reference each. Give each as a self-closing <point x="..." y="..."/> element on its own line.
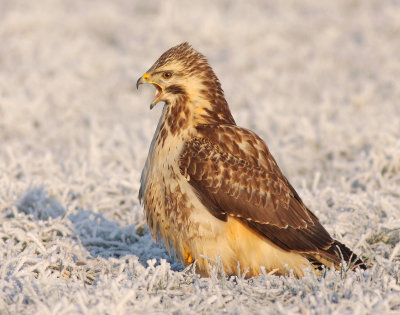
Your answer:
<point x="167" y="75"/>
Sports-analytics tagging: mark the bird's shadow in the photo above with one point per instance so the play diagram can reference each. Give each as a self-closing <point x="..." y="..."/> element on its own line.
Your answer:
<point x="98" y="235"/>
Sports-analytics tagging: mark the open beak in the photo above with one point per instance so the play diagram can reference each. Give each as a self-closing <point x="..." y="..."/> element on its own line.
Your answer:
<point x="159" y="90"/>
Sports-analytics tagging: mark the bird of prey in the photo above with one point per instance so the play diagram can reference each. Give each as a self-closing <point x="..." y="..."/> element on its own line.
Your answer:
<point x="212" y="190"/>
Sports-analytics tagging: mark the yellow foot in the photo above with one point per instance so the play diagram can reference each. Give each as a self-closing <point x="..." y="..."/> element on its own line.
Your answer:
<point x="188" y="258"/>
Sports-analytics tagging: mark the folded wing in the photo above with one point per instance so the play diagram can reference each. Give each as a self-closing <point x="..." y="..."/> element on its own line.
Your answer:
<point x="260" y="197"/>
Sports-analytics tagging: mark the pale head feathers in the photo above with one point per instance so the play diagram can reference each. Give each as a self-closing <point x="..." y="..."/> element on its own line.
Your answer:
<point x="188" y="81"/>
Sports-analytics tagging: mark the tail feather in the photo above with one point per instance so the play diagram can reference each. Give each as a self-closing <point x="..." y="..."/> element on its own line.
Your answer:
<point x="335" y="254"/>
<point x="344" y="253"/>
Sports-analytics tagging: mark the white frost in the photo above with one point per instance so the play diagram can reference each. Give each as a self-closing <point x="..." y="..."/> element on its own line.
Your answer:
<point x="319" y="81"/>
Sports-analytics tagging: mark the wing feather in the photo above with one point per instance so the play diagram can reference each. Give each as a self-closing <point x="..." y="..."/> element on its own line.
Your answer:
<point x="259" y="196"/>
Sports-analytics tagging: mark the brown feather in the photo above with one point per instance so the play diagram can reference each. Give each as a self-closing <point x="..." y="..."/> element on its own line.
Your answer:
<point x="211" y="188"/>
<point x="235" y="190"/>
<point x="257" y="194"/>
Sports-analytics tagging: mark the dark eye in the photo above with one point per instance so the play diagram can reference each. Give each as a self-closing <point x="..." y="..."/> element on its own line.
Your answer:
<point x="167" y="75"/>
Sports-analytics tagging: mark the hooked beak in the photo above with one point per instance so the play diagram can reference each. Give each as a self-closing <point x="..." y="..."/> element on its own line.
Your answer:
<point x="142" y="80"/>
<point x="139" y="82"/>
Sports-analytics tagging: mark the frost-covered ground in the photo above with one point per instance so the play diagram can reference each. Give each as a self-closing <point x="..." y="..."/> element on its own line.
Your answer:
<point x="320" y="82"/>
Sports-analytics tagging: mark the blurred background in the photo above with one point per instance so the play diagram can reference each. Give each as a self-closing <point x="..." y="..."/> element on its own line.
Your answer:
<point x="318" y="80"/>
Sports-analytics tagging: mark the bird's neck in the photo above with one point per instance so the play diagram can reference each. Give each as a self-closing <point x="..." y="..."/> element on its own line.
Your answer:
<point x="198" y="107"/>
<point x="185" y="113"/>
<point x="211" y="109"/>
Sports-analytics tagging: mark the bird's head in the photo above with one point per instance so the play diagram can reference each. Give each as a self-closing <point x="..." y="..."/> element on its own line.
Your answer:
<point x="175" y="73"/>
<point x="183" y="75"/>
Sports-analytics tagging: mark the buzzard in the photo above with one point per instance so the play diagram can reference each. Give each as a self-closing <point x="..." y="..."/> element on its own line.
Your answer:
<point x="212" y="190"/>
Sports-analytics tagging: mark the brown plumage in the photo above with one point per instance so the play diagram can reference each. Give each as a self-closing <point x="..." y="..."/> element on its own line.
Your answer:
<point x="211" y="189"/>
